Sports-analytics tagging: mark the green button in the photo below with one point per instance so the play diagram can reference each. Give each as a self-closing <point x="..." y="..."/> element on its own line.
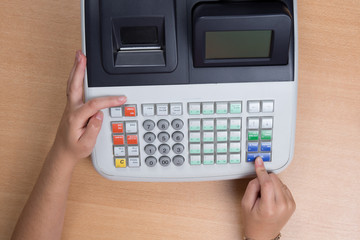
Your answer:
<point x="266" y="134"/>
<point x="253" y="135"/>
<point x="235" y="108"/>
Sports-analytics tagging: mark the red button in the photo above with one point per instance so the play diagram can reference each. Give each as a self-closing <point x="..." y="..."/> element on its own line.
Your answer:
<point x="132" y="139"/>
<point x="130" y="111"/>
<point x="118" y="127"/>
<point x="118" y="139"/>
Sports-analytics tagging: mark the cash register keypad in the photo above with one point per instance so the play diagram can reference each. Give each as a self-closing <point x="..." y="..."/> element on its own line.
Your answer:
<point x="214" y="132"/>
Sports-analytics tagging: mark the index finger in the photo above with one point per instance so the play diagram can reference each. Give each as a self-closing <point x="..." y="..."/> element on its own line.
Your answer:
<point x="266" y="184"/>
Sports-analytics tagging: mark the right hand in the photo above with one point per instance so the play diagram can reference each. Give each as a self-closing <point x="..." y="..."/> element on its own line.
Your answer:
<point x="267" y="205"/>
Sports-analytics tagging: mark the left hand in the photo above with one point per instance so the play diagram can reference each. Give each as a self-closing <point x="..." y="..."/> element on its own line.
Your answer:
<point x="81" y="122"/>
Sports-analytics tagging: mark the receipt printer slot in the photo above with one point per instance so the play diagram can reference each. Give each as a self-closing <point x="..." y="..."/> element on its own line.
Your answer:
<point x="138" y="36"/>
<point x="139" y="42"/>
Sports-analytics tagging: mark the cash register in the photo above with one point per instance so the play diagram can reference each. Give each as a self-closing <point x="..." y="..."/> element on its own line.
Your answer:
<point x="210" y="86"/>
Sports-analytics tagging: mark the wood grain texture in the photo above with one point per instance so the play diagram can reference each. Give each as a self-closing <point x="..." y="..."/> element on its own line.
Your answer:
<point x="38" y="40"/>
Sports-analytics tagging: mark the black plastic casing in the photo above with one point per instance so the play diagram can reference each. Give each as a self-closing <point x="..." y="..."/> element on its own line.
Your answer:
<point x="178" y="49"/>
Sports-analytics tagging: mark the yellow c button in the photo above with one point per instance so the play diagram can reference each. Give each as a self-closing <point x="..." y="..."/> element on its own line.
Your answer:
<point x="120" y="162"/>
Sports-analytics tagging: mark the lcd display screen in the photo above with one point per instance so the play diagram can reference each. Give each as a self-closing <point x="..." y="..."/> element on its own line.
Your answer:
<point x="238" y="44"/>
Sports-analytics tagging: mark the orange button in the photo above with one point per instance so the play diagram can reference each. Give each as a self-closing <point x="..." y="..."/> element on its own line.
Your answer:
<point x="132" y="139"/>
<point x="118" y="127"/>
<point x="130" y="111"/>
<point x="118" y="139"/>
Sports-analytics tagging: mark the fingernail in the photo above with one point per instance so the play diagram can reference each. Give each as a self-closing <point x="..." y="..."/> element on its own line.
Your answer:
<point x="99" y="115"/>
<point x="259" y="162"/>
<point x="122" y="99"/>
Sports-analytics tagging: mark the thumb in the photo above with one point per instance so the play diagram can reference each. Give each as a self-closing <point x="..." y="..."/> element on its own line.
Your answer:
<point x="92" y="130"/>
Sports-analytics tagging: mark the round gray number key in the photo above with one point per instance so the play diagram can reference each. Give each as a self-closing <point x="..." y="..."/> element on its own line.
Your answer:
<point x="164" y="149"/>
<point x="163" y="124"/>
<point x="177" y="124"/>
<point x="163" y="137"/>
<point x="150" y="161"/>
<point x="178" y="160"/>
<point x="177" y="136"/>
<point x="149" y="137"/>
<point x="164" y="161"/>
<point x="178" y="148"/>
<point x="150" y="149"/>
<point x="148" y="125"/>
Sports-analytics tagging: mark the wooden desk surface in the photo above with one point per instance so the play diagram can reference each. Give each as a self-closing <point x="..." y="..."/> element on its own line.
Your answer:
<point x="38" y="40"/>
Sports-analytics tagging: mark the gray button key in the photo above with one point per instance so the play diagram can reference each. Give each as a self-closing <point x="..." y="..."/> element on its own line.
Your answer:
<point x="150" y="161"/>
<point x="148" y="125"/>
<point x="178" y="148"/>
<point x="177" y="124"/>
<point x="164" y="161"/>
<point x="163" y="124"/>
<point x="149" y="137"/>
<point x="178" y="160"/>
<point x="163" y="137"/>
<point x="150" y="149"/>
<point x="177" y="136"/>
<point x="164" y="149"/>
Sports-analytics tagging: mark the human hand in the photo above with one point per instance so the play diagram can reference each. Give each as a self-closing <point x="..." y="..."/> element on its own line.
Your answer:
<point x="81" y="122"/>
<point x="267" y="205"/>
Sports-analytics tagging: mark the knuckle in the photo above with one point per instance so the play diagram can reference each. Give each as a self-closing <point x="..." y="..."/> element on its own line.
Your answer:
<point x="94" y="103"/>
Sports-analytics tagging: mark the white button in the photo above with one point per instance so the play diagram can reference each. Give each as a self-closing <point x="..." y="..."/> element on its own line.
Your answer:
<point x="176" y="109"/>
<point x="253" y="123"/>
<point x="194" y="124"/>
<point x="119" y="151"/>
<point x="253" y="106"/>
<point x="131" y="127"/>
<point x="208" y="159"/>
<point x="208" y="108"/>
<point x="266" y="122"/>
<point x="194" y="108"/>
<point x="208" y="136"/>
<point x="221" y="147"/>
<point x="235" y="123"/>
<point x="208" y="124"/>
<point x="221" y="158"/>
<point x="235" y="147"/>
<point x="116" y="112"/>
<point x="134" y="162"/>
<point x="162" y="109"/>
<point x="221" y="107"/>
<point x="221" y="136"/>
<point x="208" y="148"/>
<point x="234" y="158"/>
<point x="148" y="110"/>
<point x="195" y="148"/>
<point x="195" y="159"/>
<point x="235" y="135"/>
<point x="133" y="150"/>
<point x="221" y="124"/>
<point x="194" y="137"/>
<point x="268" y="106"/>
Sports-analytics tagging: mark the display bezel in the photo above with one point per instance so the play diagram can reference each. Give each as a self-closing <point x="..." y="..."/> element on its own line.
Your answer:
<point x="279" y="24"/>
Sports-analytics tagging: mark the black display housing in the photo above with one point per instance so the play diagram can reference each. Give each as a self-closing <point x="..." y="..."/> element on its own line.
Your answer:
<point x="242" y="16"/>
<point x="177" y="45"/>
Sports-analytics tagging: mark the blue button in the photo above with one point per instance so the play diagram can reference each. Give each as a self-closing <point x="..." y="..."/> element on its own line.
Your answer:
<point x="265" y="157"/>
<point x="253" y="146"/>
<point x="251" y="156"/>
<point x="266" y="146"/>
